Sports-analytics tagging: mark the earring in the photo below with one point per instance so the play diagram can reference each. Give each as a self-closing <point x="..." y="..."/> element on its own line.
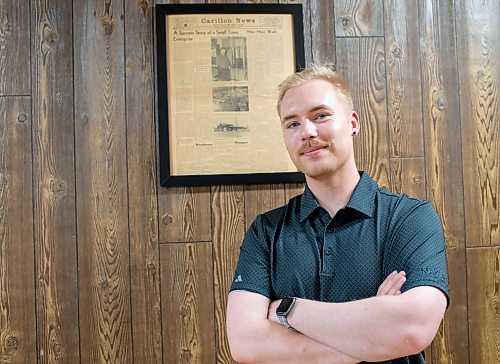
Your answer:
<point x="354" y="132"/>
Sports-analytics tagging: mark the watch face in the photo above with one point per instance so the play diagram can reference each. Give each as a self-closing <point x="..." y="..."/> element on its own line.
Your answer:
<point x="284" y="306"/>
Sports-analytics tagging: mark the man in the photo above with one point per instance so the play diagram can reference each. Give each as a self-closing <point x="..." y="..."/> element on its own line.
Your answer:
<point x="223" y="66"/>
<point x="347" y="271"/>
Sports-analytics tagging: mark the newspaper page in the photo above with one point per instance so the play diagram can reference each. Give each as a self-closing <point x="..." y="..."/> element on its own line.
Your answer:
<point x="223" y="73"/>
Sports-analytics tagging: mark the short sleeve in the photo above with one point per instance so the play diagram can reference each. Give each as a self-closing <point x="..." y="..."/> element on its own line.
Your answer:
<point x="253" y="268"/>
<point x="418" y="247"/>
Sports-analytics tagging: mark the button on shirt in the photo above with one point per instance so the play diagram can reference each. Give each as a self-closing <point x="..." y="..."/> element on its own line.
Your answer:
<point x="299" y="250"/>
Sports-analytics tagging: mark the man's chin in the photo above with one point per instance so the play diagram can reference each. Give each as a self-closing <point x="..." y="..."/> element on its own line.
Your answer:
<point x="314" y="174"/>
<point x="318" y="173"/>
<point x="313" y="170"/>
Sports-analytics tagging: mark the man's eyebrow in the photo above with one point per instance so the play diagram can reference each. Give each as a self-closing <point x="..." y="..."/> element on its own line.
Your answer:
<point x="313" y="109"/>
<point x="319" y="107"/>
<point x="288" y="117"/>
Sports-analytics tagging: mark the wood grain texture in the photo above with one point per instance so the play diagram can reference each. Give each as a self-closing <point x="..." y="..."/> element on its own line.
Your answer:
<point x="54" y="176"/>
<point x="408" y="176"/>
<point x="443" y="165"/>
<point x="17" y="289"/>
<point x="358" y="18"/>
<point x="81" y="173"/>
<point x="187" y="303"/>
<point x="403" y="79"/>
<point x="361" y="63"/>
<point x="293" y="189"/>
<point x="229" y="228"/>
<point x="483" y="285"/>
<point x="15" y="48"/>
<point x="307" y="24"/>
<point x="101" y="182"/>
<point x="322" y="32"/>
<point x="142" y="183"/>
<point x="184" y="214"/>
<point x="479" y="49"/>
<point x="262" y="198"/>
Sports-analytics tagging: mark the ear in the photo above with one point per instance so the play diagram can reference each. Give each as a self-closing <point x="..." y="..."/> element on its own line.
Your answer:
<point x="354" y="120"/>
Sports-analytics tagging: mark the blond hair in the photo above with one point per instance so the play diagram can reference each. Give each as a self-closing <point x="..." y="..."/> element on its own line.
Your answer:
<point x="315" y="72"/>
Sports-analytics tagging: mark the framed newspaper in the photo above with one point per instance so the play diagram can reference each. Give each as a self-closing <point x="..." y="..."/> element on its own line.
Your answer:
<point x="218" y="68"/>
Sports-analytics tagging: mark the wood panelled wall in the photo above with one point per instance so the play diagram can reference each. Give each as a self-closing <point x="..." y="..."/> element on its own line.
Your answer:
<point x="99" y="264"/>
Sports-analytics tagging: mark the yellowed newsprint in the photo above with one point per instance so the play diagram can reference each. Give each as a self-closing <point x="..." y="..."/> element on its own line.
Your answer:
<point x="223" y="71"/>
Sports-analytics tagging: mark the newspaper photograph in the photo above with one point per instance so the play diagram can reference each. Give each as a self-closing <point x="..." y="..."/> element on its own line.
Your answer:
<point x="222" y="74"/>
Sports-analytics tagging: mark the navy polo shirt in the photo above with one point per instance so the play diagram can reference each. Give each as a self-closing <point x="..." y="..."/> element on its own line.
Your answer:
<point x="299" y="250"/>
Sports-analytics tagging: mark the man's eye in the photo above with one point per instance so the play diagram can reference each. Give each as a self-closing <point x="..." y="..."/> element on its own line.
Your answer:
<point x="320" y="116"/>
<point x="293" y="124"/>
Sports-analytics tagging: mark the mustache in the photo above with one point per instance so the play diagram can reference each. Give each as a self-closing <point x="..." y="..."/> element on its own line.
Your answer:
<point x="312" y="144"/>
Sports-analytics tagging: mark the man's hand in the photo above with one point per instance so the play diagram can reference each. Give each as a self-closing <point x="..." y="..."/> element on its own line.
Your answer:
<point x="255" y="339"/>
<point x="391" y="286"/>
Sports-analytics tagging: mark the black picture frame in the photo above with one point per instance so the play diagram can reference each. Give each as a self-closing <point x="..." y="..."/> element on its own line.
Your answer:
<point x="202" y="11"/>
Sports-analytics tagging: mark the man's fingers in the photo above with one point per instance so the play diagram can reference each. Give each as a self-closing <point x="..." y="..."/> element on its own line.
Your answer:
<point x="382" y="290"/>
<point x="392" y="284"/>
<point x="398" y="283"/>
<point x="387" y="284"/>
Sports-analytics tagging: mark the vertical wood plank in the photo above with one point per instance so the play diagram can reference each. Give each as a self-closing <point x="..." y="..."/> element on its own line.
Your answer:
<point x="403" y="79"/>
<point x="229" y="228"/>
<point x="359" y="18"/>
<point x="293" y="189"/>
<point x="307" y="25"/>
<point x="479" y="50"/>
<point x="142" y="183"/>
<point x="408" y="176"/>
<point x="54" y="176"/>
<point x="483" y="268"/>
<point x="443" y="164"/>
<point x="187" y="303"/>
<point x="14" y="48"/>
<point x="322" y="32"/>
<point x="361" y="63"/>
<point x="184" y="214"/>
<point x="17" y="290"/>
<point x="262" y="198"/>
<point x="101" y="176"/>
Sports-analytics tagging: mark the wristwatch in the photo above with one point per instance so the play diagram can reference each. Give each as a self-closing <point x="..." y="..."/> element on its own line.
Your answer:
<point x="284" y="309"/>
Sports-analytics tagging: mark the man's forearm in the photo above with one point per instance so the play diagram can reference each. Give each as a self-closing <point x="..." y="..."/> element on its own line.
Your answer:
<point x="279" y="345"/>
<point x="378" y="328"/>
<point x="254" y="338"/>
<point x="269" y="342"/>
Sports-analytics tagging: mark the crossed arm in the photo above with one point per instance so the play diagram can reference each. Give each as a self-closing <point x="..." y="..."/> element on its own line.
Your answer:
<point x="384" y="327"/>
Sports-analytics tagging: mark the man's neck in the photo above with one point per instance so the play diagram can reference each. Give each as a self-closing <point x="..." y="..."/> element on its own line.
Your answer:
<point x="334" y="193"/>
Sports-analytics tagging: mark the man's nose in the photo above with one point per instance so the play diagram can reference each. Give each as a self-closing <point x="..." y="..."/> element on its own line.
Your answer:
<point x="309" y="129"/>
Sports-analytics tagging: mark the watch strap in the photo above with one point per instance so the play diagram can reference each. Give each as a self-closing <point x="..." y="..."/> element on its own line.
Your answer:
<point x="283" y="316"/>
<point x="284" y="322"/>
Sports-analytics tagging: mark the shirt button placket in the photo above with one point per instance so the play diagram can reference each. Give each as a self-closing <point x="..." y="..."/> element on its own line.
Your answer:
<point x="326" y="280"/>
<point x="327" y="242"/>
<point x="327" y="249"/>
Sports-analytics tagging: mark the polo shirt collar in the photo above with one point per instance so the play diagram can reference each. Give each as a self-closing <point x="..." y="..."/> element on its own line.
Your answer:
<point x="362" y="199"/>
